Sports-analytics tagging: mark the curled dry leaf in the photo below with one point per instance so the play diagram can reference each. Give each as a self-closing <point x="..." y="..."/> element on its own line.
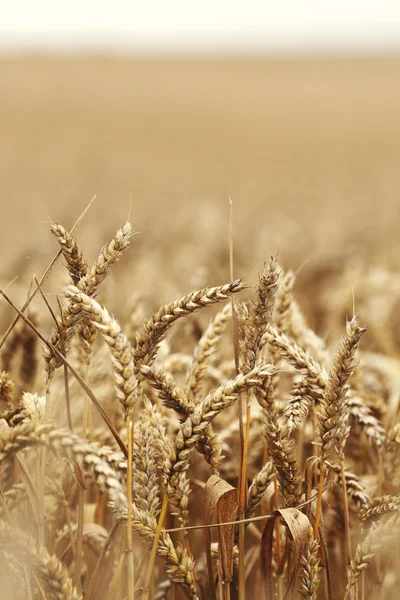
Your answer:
<point x="220" y="495"/>
<point x="298" y="525"/>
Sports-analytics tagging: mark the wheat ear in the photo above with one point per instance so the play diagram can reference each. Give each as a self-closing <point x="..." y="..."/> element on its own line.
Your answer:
<point x="205" y="350"/>
<point x="333" y="410"/>
<point x="309" y="569"/>
<point x="193" y="428"/>
<point x="51" y="573"/>
<point x="66" y="445"/>
<point x="70" y="317"/>
<point x="378" y="534"/>
<point x="258" y="487"/>
<point x="121" y="351"/>
<point x="153" y="331"/>
<point x="76" y="265"/>
<point x="379" y="506"/>
<point x="259" y="316"/>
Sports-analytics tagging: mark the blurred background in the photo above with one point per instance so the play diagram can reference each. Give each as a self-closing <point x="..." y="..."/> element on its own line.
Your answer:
<point x="167" y="109"/>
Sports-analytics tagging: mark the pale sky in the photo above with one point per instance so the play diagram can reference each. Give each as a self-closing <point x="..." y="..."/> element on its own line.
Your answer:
<point x="207" y="25"/>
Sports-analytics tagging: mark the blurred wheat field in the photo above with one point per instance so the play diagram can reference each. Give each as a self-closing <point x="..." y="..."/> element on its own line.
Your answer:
<point x="309" y="144"/>
<point x="308" y="151"/>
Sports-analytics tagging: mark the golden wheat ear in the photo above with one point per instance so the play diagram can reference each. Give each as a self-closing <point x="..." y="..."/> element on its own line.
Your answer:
<point x="75" y="263"/>
<point x="154" y="330"/>
<point x="49" y="570"/>
<point x="126" y="384"/>
<point x="70" y="318"/>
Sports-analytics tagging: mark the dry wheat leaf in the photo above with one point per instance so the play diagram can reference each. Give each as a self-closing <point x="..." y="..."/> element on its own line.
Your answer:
<point x="220" y="495"/>
<point x="298" y="525"/>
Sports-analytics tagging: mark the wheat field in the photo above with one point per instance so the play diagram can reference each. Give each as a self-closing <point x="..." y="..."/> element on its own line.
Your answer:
<point x="172" y="361"/>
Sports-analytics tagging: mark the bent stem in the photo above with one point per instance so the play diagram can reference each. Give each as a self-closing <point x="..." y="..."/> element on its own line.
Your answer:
<point x="152" y="559"/>
<point x="362" y="585"/>
<point x="95" y="578"/>
<point x="348" y="552"/>
<point x="43" y="278"/>
<point x="42" y="474"/>
<point x="81" y="500"/>
<point x="81" y="382"/>
<point x="243" y="501"/>
<point x="226" y="590"/>
<point x="243" y="459"/>
<point x="319" y="498"/>
<point x="242" y="573"/>
<point x="129" y="483"/>
<point x="277" y="538"/>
